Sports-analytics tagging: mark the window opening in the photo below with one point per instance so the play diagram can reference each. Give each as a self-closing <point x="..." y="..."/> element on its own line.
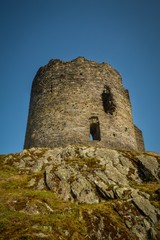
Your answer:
<point x="107" y="100"/>
<point x="94" y="129"/>
<point x="91" y="137"/>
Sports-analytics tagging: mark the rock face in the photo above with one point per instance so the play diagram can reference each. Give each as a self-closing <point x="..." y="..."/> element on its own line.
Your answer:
<point x="80" y="102"/>
<point x="80" y="192"/>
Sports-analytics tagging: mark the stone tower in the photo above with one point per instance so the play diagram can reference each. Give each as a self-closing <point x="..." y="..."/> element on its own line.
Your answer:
<point x="80" y="102"/>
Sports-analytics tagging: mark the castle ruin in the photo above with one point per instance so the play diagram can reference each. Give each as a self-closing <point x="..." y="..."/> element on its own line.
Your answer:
<point x="80" y="102"/>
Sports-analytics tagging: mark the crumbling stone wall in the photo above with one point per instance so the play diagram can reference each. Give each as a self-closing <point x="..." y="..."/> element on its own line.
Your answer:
<point x="79" y="102"/>
<point x="139" y="139"/>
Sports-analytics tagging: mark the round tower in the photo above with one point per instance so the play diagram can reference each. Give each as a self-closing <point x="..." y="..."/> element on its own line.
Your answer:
<point x="79" y="102"/>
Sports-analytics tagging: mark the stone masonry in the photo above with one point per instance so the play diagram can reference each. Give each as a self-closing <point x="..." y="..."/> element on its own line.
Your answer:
<point x="80" y="102"/>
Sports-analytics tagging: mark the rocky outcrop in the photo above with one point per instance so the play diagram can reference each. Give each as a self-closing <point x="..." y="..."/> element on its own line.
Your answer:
<point x="104" y="193"/>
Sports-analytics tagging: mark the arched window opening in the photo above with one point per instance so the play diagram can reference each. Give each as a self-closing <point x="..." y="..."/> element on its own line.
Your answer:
<point x="94" y="129"/>
<point x="107" y="100"/>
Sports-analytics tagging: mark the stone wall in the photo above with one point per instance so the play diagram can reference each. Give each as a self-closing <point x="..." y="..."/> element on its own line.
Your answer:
<point x="139" y="139"/>
<point x="79" y="102"/>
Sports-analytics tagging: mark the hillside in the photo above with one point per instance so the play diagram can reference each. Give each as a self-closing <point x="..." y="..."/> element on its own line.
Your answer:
<point x="79" y="193"/>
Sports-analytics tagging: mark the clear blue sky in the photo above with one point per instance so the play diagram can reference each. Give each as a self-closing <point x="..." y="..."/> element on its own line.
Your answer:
<point x="124" y="33"/>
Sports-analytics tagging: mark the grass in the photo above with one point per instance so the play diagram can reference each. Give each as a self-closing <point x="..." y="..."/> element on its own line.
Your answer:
<point x="18" y="222"/>
<point x="150" y="188"/>
<point x="26" y="212"/>
<point x="68" y="221"/>
<point x="15" y="221"/>
<point x="88" y="161"/>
